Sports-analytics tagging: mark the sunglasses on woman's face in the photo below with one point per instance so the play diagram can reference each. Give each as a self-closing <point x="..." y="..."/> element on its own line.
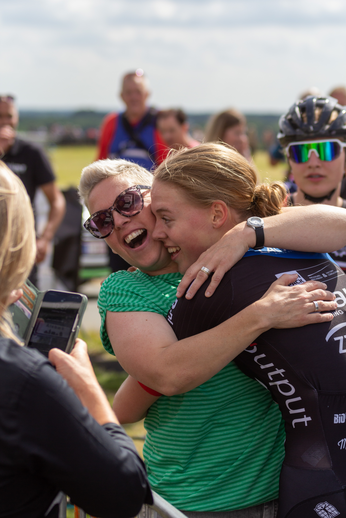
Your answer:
<point x="326" y="150"/>
<point x="129" y="203"/>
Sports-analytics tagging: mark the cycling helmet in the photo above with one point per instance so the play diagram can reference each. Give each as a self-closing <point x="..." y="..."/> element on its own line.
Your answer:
<point x="301" y="122"/>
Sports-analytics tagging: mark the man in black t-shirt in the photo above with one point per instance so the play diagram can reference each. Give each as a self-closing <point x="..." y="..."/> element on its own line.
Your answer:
<point x="304" y="369"/>
<point x="30" y="163"/>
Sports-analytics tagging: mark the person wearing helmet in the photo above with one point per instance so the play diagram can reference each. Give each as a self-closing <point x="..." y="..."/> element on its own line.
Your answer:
<point x="313" y="134"/>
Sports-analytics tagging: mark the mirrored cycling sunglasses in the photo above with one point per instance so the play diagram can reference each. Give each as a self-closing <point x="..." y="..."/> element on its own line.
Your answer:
<point x="326" y="150"/>
<point x="129" y="203"/>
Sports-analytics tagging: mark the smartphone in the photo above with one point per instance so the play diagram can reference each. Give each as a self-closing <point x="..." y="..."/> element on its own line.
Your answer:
<point x="56" y="321"/>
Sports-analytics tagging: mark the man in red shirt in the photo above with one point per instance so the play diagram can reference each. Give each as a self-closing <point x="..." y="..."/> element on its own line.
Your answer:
<point x="132" y="134"/>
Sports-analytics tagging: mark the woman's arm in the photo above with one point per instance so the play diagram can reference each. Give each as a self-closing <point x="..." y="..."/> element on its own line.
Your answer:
<point x="147" y="348"/>
<point x="131" y="402"/>
<point x="60" y="442"/>
<point x="313" y="228"/>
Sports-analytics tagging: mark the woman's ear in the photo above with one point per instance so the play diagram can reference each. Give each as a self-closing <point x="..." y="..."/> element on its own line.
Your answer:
<point x="219" y="213"/>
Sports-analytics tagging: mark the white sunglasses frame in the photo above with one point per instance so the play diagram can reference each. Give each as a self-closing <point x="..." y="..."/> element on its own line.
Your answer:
<point x="342" y="144"/>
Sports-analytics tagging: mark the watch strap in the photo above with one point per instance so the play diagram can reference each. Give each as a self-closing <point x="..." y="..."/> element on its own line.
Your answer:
<point x="259" y="231"/>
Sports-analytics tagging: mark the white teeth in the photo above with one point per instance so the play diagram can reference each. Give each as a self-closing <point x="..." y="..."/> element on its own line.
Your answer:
<point x="173" y="249"/>
<point x="134" y="234"/>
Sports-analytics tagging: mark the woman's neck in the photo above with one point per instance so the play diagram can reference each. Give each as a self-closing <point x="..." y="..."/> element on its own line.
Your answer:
<point x="300" y="198"/>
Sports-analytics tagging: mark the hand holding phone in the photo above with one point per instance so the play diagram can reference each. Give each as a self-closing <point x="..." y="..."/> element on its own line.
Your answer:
<point x="56" y="321"/>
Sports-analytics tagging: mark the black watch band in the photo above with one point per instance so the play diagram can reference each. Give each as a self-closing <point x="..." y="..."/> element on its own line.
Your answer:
<point x="259" y="238"/>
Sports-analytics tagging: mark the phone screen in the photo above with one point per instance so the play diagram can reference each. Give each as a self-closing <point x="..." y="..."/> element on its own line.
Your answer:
<point x="56" y="320"/>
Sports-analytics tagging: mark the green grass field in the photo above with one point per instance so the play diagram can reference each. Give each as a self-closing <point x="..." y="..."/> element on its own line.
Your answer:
<point x="267" y="172"/>
<point x="68" y="162"/>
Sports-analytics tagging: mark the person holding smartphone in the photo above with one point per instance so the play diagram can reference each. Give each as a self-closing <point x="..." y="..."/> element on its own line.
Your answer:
<point x="57" y="436"/>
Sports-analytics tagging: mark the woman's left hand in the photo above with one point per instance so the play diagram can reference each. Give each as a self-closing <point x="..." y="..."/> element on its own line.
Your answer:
<point x="288" y="306"/>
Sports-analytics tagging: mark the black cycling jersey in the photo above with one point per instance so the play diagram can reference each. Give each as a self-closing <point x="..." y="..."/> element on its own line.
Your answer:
<point x="304" y="368"/>
<point x="339" y="256"/>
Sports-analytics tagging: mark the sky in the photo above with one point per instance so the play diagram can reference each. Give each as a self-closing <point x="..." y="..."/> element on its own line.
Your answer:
<point x="200" y="55"/>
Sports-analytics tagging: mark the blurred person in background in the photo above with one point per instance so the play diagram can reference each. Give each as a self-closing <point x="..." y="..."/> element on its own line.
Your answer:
<point x="29" y="162"/>
<point x="132" y="135"/>
<point x="313" y="134"/>
<point x="229" y="126"/>
<point x="174" y="128"/>
<point x="339" y="93"/>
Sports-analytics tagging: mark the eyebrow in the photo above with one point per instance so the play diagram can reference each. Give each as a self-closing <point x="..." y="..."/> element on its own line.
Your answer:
<point x="163" y="209"/>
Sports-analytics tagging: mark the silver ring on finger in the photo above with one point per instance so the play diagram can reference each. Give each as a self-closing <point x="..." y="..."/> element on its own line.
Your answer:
<point x="205" y="270"/>
<point x="316" y="306"/>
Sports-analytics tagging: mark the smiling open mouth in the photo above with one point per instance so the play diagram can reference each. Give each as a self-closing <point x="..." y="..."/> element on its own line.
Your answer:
<point x="173" y="249"/>
<point x="136" y="238"/>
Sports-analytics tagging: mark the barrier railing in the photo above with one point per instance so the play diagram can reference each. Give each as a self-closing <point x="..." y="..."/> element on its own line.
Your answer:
<point x="159" y="508"/>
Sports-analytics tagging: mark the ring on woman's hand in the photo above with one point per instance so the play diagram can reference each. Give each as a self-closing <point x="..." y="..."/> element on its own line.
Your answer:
<point x="316" y="306"/>
<point x="205" y="270"/>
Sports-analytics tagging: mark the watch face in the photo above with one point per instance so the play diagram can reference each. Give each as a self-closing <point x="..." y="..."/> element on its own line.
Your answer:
<point x="255" y="221"/>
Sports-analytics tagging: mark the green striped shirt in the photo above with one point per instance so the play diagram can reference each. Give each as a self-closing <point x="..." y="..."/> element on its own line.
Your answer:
<point x="216" y="448"/>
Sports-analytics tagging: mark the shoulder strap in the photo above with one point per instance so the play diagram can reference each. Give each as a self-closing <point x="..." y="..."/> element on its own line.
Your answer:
<point x="133" y="133"/>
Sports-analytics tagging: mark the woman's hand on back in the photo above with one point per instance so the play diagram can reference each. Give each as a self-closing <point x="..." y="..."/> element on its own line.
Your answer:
<point x="219" y="258"/>
<point x="293" y="306"/>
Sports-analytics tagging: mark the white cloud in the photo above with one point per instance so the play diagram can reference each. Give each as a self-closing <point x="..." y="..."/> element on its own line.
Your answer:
<point x="199" y="54"/>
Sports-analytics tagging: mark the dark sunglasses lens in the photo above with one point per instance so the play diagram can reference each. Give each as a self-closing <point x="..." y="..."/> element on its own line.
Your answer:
<point x="101" y="224"/>
<point x="327" y="151"/>
<point x="129" y="203"/>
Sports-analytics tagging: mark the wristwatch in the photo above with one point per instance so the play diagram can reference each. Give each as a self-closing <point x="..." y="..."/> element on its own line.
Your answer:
<point x="258" y="225"/>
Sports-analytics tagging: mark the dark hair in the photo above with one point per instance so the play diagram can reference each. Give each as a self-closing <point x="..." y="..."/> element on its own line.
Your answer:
<point x="177" y="113"/>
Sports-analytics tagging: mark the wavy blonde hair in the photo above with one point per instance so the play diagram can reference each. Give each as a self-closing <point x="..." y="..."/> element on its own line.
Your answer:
<point x="17" y="241"/>
<point x="214" y="171"/>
